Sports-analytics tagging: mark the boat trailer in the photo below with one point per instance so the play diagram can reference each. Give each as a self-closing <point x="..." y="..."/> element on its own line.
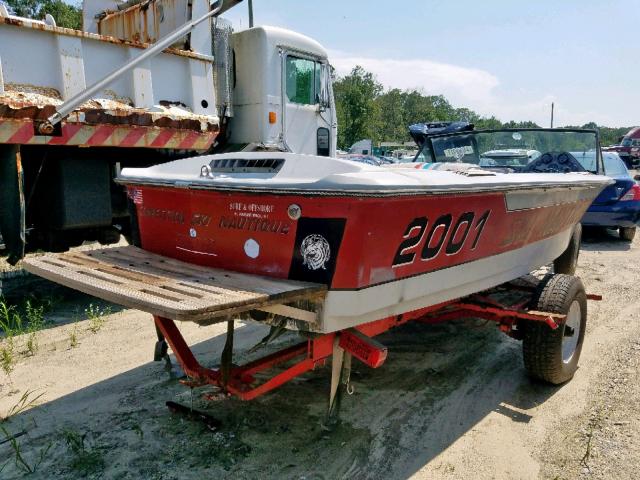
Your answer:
<point x="172" y="291"/>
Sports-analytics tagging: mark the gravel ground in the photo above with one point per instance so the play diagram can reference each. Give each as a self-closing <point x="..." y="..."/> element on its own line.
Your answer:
<point x="452" y="401"/>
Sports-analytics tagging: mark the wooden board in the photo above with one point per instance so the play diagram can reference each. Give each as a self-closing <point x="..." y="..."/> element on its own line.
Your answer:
<point x="163" y="286"/>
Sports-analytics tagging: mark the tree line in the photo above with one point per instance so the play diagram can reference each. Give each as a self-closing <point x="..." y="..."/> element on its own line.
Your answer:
<point x="366" y="110"/>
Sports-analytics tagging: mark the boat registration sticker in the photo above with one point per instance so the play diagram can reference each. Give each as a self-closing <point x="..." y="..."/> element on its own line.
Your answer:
<point x="458" y="152"/>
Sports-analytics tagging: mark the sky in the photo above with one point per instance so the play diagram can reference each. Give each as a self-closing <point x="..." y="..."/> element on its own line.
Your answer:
<point x="506" y="58"/>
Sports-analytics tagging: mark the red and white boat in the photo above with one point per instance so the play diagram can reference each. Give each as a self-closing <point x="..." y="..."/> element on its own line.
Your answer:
<point x="386" y="240"/>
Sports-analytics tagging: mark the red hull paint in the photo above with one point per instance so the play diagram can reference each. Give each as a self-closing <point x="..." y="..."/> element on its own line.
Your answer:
<point x="211" y="228"/>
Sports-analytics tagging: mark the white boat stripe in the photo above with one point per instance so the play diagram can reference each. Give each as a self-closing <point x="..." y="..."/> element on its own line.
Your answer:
<point x="344" y="309"/>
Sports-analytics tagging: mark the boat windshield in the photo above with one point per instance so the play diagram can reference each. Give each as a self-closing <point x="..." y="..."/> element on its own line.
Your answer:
<point x="528" y="150"/>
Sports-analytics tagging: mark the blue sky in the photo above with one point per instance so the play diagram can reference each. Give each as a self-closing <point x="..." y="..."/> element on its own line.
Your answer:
<point x="506" y="58"/>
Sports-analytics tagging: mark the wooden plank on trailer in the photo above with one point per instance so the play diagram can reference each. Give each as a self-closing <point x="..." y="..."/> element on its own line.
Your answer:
<point x="167" y="287"/>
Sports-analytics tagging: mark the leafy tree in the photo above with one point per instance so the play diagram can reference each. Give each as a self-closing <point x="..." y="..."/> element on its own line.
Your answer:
<point x="357" y="110"/>
<point x="393" y="127"/>
<point x="66" y="15"/>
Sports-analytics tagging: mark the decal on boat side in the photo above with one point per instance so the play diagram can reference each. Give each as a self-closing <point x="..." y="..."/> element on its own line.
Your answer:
<point x="172" y="216"/>
<point x="251" y="207"/>
<point x="255" y="225"/>
<point x="315" y="251"/>
<point x="440" y="233"/>
<point x="200" y="219"/>
<point x="135" y="194"/>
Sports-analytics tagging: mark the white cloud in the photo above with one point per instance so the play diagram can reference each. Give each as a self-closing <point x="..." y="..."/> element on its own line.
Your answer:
<point x="460" y="85"/>
<point x="474" y="88"/>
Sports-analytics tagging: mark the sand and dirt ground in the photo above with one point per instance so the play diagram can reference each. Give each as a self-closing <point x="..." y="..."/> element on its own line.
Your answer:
<point x="452" y="401"/>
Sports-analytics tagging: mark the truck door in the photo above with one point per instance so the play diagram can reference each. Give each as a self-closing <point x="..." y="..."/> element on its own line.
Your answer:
<point x="308" y="115"/>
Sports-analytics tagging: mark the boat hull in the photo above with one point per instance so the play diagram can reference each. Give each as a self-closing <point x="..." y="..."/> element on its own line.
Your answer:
<point x="379" y="255"/>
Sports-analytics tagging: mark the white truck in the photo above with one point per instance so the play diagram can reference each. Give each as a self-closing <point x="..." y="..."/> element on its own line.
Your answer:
<point x="212" y="90"/>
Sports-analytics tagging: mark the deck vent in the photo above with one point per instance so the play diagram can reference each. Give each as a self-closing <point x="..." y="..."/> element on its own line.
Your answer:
<point x="240" y="165"/>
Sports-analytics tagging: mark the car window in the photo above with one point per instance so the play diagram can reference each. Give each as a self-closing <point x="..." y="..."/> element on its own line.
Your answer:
<point x="614" y="167"/>
<point x="586" y="159"/>
<point x="626" y="142"/>
<point x="301" y="80"/>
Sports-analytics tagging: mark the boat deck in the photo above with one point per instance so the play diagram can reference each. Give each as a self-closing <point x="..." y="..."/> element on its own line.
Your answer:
<point x="170" y="288"/>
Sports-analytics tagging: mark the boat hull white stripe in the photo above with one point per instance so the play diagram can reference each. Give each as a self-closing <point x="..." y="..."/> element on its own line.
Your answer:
<point x="344" y="309"/>
<point x="524" y="200"/>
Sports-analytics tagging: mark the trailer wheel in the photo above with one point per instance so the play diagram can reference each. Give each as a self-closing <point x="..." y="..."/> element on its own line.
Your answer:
<point x="568" y="261"/>
<point x="552" y="355"/>
<point x="627" y="233"/>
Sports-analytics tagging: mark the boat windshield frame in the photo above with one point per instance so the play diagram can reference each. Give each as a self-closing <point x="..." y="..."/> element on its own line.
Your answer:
<point x="427" y="144"/>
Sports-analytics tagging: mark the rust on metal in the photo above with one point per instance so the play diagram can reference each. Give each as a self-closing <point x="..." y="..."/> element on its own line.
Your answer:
<point x="94" y="36"/>
<point x="23" y="101"/>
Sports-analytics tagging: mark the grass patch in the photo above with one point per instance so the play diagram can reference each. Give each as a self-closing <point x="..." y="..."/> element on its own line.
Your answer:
<point x="7" y="355"/>
<point x="96" y="316"/>
<point x="22" y="463"/>
<point x="27" y="400"/>
<point x="14" y="321"/>
<point x="85" y="459"/>
<point x="73" y="337"/>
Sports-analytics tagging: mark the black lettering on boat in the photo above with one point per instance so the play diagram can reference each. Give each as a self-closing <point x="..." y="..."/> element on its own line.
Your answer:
<point x="402" y="257"/>
<point x="440" y="234"/>
<point x="442" y="226"/>
<point x="482" y="221"/>
<point x="200" y="219"/>
<point x="454" y="247"/>
<point x="255" y="225"/>
<point x="166" y="215"/>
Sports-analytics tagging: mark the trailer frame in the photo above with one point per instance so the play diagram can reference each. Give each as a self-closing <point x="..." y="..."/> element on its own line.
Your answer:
<point x="172" y="290"/>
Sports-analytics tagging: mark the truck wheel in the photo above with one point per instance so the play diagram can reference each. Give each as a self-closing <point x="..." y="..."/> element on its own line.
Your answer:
<point x="568" y="261"/>
<point x="552" y="355"/>
<point x="627" y="233"/>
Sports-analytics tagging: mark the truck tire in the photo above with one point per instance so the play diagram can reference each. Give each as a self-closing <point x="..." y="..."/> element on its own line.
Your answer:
<point x="568" y="261"/>
<point x="552" y="355"/>
<point x="627" y="233"/>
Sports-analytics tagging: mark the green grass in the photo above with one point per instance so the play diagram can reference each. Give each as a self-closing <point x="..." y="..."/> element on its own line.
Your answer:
<point x="73" y="337"/>
<point x="28" y="318"/>
<point x="21" y="462"/>
<point x="26" y="401"/>
<point x="85" y="459"/>
<point x="14" y="321"/>
<point x="96" y="316"/>
<point x="7" y="355"/>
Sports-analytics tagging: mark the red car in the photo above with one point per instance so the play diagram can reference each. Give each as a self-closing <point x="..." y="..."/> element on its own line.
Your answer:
<point x="629" y="148"/>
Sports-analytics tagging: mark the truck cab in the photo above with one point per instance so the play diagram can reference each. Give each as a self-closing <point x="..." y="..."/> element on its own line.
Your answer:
<point x="291" y="107"/>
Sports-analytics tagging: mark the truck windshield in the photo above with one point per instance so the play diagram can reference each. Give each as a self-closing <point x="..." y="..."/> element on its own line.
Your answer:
<point x="516" y="150"/>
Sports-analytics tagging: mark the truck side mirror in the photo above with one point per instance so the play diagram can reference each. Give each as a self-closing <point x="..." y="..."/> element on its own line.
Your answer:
<point x="324" y="99"/>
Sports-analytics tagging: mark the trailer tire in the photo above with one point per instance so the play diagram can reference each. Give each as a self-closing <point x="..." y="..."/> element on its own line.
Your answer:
<point x="568" y="261"/>
<point x="552" y="355"/>
<point x="627" y="233"/>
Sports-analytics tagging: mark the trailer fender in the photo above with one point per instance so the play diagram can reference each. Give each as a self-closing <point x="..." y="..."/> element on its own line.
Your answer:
<point x="12" y="207"/>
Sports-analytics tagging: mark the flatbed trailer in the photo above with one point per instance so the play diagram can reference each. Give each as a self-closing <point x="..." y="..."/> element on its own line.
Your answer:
<point x="548" y="314"/>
